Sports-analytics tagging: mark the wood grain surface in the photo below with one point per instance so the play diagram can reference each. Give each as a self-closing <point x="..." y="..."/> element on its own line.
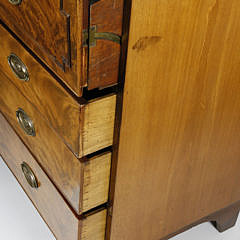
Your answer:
<point x="61" y="45"/>
<point x="98" y="124"/>
<point x="57" y="106"/>
<point x="93" y="227"/>
<point x="104" y="57"/>
<point x="96" y="176"/>
<point x="53" y="30"/>
<point x="53" y="155"/>
<point x="180" y="136"/>
<point x="66" y="171"/>
<point x="46" y="198"/>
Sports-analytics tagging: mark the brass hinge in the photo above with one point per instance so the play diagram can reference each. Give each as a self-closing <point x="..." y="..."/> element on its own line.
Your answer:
<point x="90" y="38"/>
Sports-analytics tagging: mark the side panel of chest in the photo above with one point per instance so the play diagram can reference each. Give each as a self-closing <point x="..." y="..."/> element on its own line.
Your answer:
<point x="179" y="142"/>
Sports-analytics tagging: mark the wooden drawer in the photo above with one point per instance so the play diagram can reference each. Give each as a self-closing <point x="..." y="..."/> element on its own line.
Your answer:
<point x="71" y="120"/>
<point x="83" y="183"/>
<point x="45" y="197"/>
<point x="57" y="32"/>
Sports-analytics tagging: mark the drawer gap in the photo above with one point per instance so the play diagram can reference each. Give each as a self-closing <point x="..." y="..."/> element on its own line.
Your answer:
<point x="95" y="154"/>
<point x="96" y="93"/>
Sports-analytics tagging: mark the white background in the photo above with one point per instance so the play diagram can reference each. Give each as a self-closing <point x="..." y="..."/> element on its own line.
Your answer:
<point x="20" y="221"/>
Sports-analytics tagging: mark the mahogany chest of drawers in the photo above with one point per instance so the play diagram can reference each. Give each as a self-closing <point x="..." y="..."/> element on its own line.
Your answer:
<point x="121" y="119"/>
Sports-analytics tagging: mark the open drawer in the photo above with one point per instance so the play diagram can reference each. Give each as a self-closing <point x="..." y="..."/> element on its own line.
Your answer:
<point x="48" y="201"/>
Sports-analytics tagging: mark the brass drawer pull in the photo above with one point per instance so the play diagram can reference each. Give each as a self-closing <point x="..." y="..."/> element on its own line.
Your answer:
<point x="25" y="122"/>
<point x="29" y="175"/>
<point x="15" y="2"/>
<point x="18" y="67"/>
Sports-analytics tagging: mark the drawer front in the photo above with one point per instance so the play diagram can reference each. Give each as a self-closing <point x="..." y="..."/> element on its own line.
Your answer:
<point x="56" y="31"/>
<point x="83" y="135"/>
<point x="52" y="29"/>
<point x="53" y="155"/>
<point x="84" y="184"/>
<point x="46" y="198"/>
<point x="48" y="201"/>
<point x="42" y="90"/>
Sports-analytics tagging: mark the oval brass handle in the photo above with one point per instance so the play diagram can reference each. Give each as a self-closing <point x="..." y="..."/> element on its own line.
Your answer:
<point x="29" y="175"/>
<point x="25" y="122"/>
<point x="15" y="2"/>
<point x="18" y="67"/>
